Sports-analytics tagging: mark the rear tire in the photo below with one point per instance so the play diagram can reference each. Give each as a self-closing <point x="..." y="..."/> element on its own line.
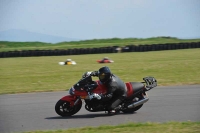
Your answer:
<point x="63" y="108"/>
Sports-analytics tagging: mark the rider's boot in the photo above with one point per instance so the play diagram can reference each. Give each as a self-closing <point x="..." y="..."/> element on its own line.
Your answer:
<point x="115" y="111"/>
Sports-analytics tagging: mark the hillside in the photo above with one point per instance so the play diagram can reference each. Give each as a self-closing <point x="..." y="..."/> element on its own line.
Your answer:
<point x="15" y="35"/>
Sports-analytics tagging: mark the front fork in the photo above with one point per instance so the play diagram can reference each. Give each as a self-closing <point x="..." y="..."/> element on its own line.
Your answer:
<point x="77" y="101"/>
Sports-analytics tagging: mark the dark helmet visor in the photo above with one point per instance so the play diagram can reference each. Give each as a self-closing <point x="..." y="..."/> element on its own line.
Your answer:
<point x="102" y="76"/>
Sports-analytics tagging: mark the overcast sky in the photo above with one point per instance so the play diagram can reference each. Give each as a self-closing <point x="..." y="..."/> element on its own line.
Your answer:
<point x="89" y="19"/>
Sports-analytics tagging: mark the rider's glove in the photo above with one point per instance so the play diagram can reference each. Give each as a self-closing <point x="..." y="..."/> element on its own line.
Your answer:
<point x="95" y="95"/>
<point x="94" y="73"/>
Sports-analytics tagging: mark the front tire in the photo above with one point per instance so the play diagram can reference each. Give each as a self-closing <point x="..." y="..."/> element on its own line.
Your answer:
<point x="63" y="108"/>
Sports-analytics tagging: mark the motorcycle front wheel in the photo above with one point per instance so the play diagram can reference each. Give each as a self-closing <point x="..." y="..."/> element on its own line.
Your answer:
<point x="63" y="108"/>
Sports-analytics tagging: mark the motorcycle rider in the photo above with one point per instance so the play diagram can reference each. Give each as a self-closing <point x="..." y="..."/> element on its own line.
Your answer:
<point x="104" y="59"/>
<point x="116" y="89"/>
<point x="68" y="61"/>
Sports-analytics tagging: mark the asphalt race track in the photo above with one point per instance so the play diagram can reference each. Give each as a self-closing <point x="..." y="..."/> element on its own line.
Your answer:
<point x="35" y="111"/>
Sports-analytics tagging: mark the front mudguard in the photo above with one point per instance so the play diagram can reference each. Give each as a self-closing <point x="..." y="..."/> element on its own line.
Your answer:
<point x="72" y="99"/>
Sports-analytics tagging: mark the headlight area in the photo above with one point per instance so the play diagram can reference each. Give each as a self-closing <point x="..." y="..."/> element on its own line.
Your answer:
<point x="71" y="91"/>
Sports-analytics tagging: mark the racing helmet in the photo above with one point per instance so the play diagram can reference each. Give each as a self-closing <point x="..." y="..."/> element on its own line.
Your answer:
<point x="104" y="74"/>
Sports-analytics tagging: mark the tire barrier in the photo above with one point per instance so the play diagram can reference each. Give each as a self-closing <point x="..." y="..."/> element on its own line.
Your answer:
<point x="158" y="47"/>
<point x="113" y="49"/>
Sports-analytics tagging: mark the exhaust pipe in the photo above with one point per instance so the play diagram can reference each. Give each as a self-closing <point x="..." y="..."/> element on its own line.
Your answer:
<point x="133" y="105"/>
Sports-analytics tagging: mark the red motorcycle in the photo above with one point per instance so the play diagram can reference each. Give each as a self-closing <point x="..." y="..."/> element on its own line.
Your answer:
<point x="85" y="88"/>
<point x="105" y="60"/>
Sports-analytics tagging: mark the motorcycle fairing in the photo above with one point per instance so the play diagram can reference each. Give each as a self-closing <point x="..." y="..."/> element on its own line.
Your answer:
<point x="129" y="89"/>
<point x="69" y="98"/>
<point x="101" y="89"/>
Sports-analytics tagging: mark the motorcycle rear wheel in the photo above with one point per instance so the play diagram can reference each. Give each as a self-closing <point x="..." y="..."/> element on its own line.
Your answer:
<point x="63" y="108"/>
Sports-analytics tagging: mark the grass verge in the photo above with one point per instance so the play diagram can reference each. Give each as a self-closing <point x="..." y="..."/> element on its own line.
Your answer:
<point x="169" y="127"/>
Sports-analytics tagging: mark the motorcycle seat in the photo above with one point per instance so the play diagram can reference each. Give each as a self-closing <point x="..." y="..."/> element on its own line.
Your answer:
<point x="134" y="87"/>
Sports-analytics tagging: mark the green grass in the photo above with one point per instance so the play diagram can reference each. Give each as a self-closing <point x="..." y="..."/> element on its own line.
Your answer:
<point x="169" y="127"/>
<point x="36" y="74"/>
<point x="95" y="43"/>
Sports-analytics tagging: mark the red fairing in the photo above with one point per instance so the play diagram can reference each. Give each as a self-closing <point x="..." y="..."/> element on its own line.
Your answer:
<point x="80" y="93"/>
<point x="69" y="98"/>
<point x="129" y="89"/>
<point x="101" y="89"/>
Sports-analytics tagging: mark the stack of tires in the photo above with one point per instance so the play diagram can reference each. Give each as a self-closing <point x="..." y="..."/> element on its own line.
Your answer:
<point x="113" y="49"/>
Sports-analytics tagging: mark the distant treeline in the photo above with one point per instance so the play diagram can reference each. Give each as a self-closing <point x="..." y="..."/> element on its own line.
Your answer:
<point x="111" y="49"/>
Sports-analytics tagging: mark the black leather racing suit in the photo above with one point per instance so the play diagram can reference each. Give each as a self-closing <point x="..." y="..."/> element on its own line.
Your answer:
<point x="117" y="91"/>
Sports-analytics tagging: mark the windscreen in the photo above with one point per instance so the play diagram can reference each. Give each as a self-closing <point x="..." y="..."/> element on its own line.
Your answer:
<point x="82" y="82"/>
